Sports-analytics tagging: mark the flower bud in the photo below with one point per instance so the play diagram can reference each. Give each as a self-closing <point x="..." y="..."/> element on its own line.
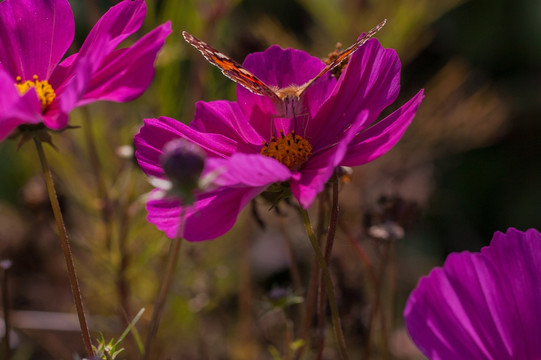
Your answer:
<point x="183" y="162"/>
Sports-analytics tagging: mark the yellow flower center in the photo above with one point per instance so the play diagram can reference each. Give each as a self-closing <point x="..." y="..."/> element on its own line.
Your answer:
<point x="291" y="150"/>
<point x="44" y="90"/>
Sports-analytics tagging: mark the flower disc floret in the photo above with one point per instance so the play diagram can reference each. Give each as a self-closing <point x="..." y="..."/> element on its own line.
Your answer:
<point x="44" y="90"/>
<point x="291" y="150"/>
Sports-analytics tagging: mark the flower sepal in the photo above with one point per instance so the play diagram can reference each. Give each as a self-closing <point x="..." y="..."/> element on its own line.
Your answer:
<point x="39" y="131"/>
<point x="29" y="132"/>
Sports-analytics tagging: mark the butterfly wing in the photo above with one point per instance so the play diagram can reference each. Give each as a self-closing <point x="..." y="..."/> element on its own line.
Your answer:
<point x="343" y="56"/>
<point x="231" y="68"/>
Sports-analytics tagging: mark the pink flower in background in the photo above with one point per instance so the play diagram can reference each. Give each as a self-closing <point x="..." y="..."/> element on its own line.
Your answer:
<point x="337" y="126"/>
<point x="37" y="88"/>
<point x="483" y="305"/>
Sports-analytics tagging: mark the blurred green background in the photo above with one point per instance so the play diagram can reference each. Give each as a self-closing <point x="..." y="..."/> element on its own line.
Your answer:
<point x="469" y="163"/>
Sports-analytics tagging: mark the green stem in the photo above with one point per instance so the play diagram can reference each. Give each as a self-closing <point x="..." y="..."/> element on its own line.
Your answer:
<point x="103" y="195"/>
<point x="321" y="298"/>
<point x="310" y="306"/>
<point x="313" y="285"/>
<point x="377" y="305"/>
<point x="123" y="286"/>
<point x="293" y="268"/>
<point x="333" y="222"/>
<point x="245" y="300"/>
<point x="159" y="304"/>
<point x="385" y="322"/>
<point x="74" y="282"/>
<point x="328" y="284"/>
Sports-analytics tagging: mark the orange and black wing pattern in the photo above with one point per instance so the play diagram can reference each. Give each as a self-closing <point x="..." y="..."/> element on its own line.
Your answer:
<point x="231" y="68"/>
<point x="344" y="55"/>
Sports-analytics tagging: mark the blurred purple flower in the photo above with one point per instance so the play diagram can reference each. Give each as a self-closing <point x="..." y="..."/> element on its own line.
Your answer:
<point x="337" y="127"/>
<point x="37" y="88"/>
<point x="183" y="162"/>
<point x="483" y="305"/>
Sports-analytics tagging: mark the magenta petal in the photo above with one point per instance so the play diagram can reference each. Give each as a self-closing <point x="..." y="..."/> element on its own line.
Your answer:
<point x="69" y="94"/>
<point x="249" y="170"/>
<point x="112" y="28"/>
<point x="150" y="141"/>
<point x="34" y="35"/>
<point x="212" y="215"/>
<point x="62" y="72"/>
<point x="10" y="94"/>
<point x="481" y="305"/>
<point x="260" y="110"/>
<point x="281" y="68"/>
<point x="75" y="87"/>
<point x="381" y="137"/>
<point x="371" y="81"/>
<point x="115" y="26"/>
<point x="226" y="118"/>
<point x="15" y="109"/>
<point x="126" y="73"/>
<point x="221" y="144"/>
<point x="152" y="137"/>
<point x="319" y="168"/>
<point x="70" y="85"/>
<point x="521" y="275"/>
<point x="312" y="179"/>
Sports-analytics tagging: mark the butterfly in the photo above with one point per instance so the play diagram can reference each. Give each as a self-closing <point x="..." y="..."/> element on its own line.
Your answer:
<point x="286" y="99"/>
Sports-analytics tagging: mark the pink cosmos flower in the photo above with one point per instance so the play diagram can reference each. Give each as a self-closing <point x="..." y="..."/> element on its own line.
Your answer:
<point x="37" y="88"/>
<point x="482" y="305"/>
<point x="337" y="126"/>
